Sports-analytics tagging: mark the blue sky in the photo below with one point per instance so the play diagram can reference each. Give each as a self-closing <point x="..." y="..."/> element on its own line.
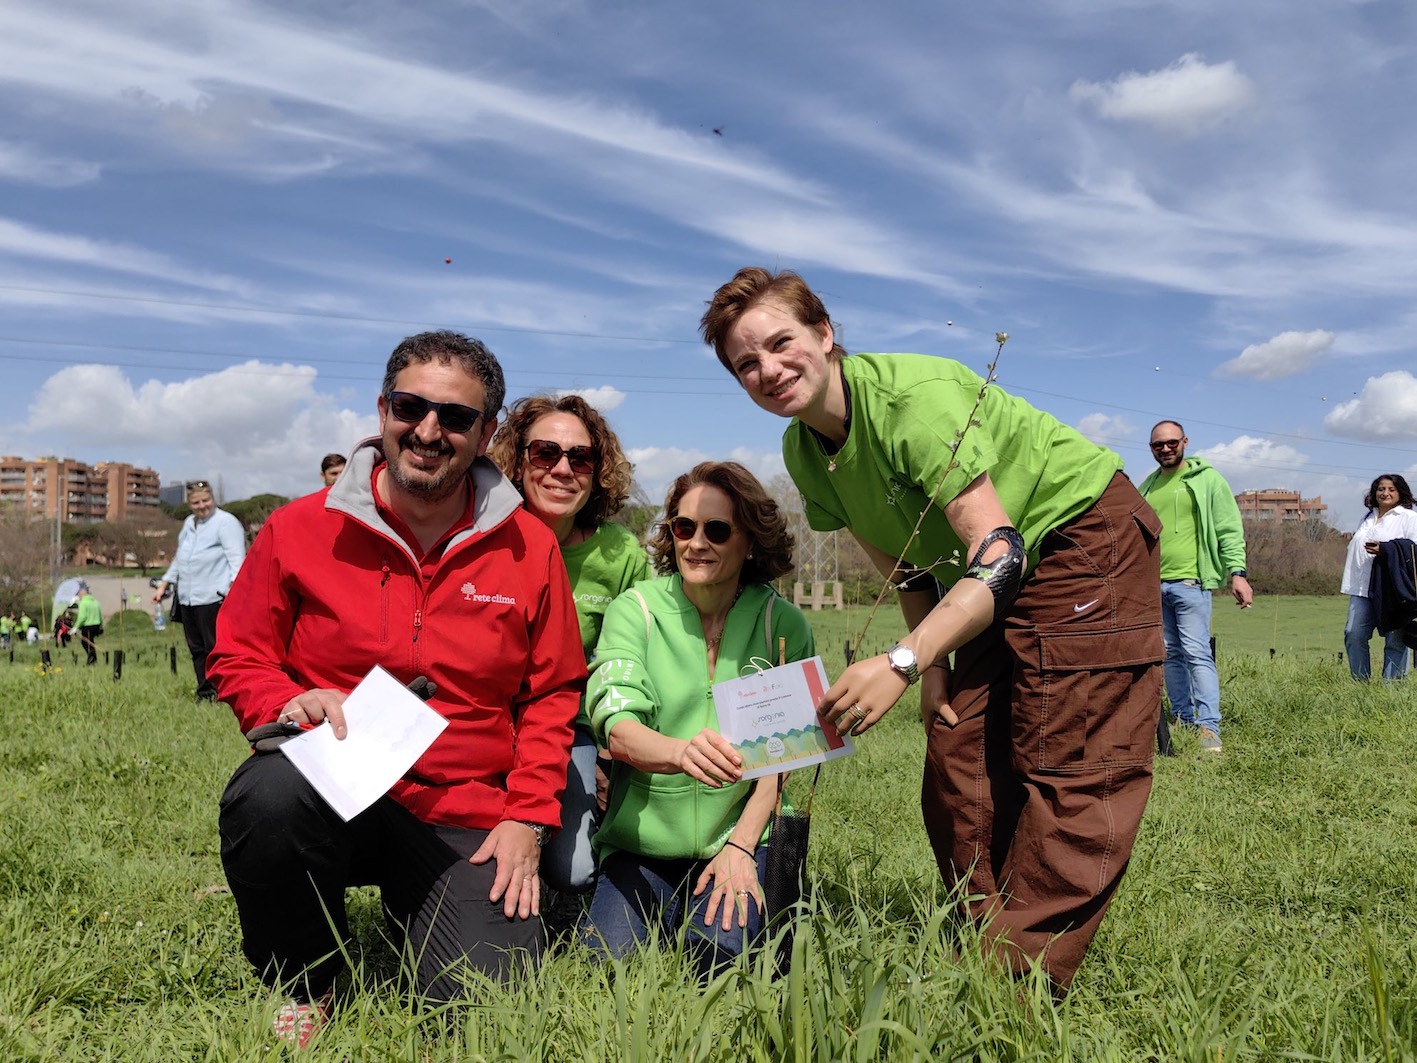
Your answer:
<point x="217" y="218"/>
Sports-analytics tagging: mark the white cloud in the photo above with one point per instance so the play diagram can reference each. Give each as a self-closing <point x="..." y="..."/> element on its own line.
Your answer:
<point x="19" y="162"/>
<point x="1108" y="429"/>
<point x="1249" y="462"/>
<point x="258" y="427"/>
<point x="1185" y="97"/>
<point x="604" y="398"/>
<point x="1386" y="408"/>
<point x="656" y="467"/>
<point x="1284" y="355"/>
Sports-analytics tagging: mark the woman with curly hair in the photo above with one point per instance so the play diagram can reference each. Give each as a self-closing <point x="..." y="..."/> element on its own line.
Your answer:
<point x="683" y="845"/>
<point x="568" y="465"/>
<point x="1390" y="516"/>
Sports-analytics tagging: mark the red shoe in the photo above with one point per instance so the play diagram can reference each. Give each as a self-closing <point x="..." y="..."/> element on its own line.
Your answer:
<point x="298" y="1021"/>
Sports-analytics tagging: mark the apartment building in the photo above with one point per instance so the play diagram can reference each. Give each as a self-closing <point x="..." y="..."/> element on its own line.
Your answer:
<point x="74" y="492"/>
<point x="1278" y="504"/>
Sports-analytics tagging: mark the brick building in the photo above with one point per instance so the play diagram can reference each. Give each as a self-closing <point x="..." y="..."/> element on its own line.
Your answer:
<point x="75" y="492"/>
<point x="1273" y="503"/>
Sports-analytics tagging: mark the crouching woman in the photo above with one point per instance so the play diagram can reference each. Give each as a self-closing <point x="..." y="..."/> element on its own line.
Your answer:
<point x="683" y="847"/>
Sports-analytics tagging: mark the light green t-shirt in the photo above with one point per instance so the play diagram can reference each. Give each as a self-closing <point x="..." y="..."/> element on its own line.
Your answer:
<point x="1176" y="507"/>
<point x="905" y="412"/>
<point x="608" y="563"/>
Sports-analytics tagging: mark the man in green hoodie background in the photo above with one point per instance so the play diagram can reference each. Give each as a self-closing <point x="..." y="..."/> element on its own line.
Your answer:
<point x="1202" y="546"/>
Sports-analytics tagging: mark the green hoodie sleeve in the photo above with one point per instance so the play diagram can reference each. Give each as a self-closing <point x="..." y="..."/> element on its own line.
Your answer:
<point x="620" y="687"/>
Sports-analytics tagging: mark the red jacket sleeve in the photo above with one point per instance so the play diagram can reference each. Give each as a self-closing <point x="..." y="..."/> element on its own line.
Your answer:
<point x="547" y="703"/>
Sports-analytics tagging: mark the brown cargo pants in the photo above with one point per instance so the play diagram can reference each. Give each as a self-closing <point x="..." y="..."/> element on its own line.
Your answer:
<point x="1036" y="794"/>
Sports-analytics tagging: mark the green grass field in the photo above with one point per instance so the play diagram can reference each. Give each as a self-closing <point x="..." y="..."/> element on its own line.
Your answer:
<point x="1270" y="912"/>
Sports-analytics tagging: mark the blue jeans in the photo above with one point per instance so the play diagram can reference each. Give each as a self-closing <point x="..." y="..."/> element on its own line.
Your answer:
<point x="1192" y="683"/>
<point x="1362" y="622"/>
<point x="567" y="862"/>
<point x="637" y="895"/>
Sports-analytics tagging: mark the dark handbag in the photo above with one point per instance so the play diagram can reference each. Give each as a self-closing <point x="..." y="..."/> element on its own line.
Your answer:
<point x="785" y="878"/>
<point x="174" y="611"/>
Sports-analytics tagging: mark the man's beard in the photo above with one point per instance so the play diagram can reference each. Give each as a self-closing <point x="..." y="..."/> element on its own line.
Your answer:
<point x="433" y="488"/>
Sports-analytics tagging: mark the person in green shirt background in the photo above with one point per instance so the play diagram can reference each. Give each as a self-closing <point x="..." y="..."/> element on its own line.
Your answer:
<point x="1035" y="564"/>
<point x="88" y="618"/>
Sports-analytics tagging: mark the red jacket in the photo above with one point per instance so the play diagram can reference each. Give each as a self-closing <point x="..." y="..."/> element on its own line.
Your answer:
<point x="329" y="590"/>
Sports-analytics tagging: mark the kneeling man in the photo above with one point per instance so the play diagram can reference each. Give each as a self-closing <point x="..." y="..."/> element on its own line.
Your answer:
<point x="420" y="559"/>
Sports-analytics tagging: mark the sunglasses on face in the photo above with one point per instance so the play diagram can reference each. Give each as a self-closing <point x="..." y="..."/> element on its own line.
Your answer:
<point x="411" y="409"/>
<point x="545" y="454"/>
<point x="1165" y="444"/>
<point x="717" y="532"/>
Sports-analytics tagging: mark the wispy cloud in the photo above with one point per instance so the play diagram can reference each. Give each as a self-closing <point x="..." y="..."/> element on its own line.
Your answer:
<point x="21" y="162"/>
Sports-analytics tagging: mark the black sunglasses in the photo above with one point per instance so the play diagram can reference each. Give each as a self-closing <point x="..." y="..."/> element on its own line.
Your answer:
<point x="717" y="532"/>
<point x="545" y="454"/>
<point x="1165" y="444"/>
<point x="411" y="409"/>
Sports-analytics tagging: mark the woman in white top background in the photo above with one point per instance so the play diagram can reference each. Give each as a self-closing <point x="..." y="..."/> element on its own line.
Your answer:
<point x="1390" y="516"/>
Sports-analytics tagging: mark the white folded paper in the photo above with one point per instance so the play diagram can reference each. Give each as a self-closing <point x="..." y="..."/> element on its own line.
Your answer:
<point x="388" y="727"/>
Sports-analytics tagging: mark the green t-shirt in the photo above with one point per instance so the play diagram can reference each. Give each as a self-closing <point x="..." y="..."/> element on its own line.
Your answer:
<point x="608" y="563"/>
<point x="905" y="412"/>
<point x="90" y="613"/>
<point x="1176" y="506"/>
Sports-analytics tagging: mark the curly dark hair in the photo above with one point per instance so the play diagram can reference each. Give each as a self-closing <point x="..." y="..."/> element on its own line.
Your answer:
<point x="749" y="287"/>
<point x="1404" y="493"/>
<point x="614" y="474"/>
<point x="447" y="347"/>
<point x="770" y="543"/>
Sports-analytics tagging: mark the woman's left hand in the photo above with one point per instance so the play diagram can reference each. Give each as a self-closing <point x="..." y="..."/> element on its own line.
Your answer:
<point x="865" y="692"/>
<point x="734" y="877"/>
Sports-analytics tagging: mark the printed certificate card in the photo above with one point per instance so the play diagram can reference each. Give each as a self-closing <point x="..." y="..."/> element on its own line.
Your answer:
<point x="389" y="727"/>
<point x="771" y="719"/>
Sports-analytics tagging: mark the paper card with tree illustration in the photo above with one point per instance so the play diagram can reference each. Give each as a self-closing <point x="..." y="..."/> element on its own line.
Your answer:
<point x="771" y="719"/>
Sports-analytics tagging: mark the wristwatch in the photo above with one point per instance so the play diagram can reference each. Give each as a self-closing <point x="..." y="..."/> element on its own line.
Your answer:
<point x="903" y="660"/>
<point x="1239" y="572"/>
<point x="543" y="832"/>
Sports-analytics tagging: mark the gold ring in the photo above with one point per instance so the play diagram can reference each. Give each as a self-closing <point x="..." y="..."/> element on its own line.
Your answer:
<point x="859" y="712"/>
<point x="742" y="893"/>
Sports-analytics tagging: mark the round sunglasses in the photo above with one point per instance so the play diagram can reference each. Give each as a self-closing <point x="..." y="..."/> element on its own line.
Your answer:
<point x="717" y="532"/>
<point x="545" y="454"/>
<point x="411" y="409"/>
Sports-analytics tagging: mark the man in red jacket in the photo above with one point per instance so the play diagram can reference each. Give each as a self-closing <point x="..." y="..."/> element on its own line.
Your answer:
<point x="420" y="559"/>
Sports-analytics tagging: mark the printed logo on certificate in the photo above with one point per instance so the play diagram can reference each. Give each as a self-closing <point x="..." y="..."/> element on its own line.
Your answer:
<point x="771" y="719"/>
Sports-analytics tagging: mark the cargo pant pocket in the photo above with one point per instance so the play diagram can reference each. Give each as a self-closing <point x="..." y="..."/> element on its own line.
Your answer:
<point x="1089" y="697"/>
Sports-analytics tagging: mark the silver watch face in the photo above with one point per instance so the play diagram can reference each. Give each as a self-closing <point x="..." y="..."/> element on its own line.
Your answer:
<point x="903" y="657"/>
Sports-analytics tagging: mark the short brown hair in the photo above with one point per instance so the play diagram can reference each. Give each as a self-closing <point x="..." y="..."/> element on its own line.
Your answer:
<point x="614" y="474"/>
<point x="770" y="543"/>
<point x="749" y="287"/>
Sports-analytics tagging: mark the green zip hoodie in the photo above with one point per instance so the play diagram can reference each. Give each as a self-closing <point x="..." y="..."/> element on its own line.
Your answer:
<point x="651" y="666"/>
<point x="1220" y="536"/>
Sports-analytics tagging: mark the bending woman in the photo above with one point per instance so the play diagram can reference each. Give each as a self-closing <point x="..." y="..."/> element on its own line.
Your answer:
<point x="683" y="843"/>
<point x="568" y="465"/>
<point x="1039" y="751"/>
<point x="1390" y="516"/>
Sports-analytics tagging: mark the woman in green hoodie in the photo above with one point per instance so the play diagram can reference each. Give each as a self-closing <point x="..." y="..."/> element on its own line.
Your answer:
<point x="683" y="843"/>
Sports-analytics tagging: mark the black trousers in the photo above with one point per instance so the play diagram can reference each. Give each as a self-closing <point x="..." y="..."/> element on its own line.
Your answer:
<point x="86" y="637"/>
<point x="289" y="857"/>
<point x="199" y="629"/>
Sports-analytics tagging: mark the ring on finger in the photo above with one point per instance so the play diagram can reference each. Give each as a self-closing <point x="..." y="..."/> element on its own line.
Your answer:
<point x="859" y="713"/>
